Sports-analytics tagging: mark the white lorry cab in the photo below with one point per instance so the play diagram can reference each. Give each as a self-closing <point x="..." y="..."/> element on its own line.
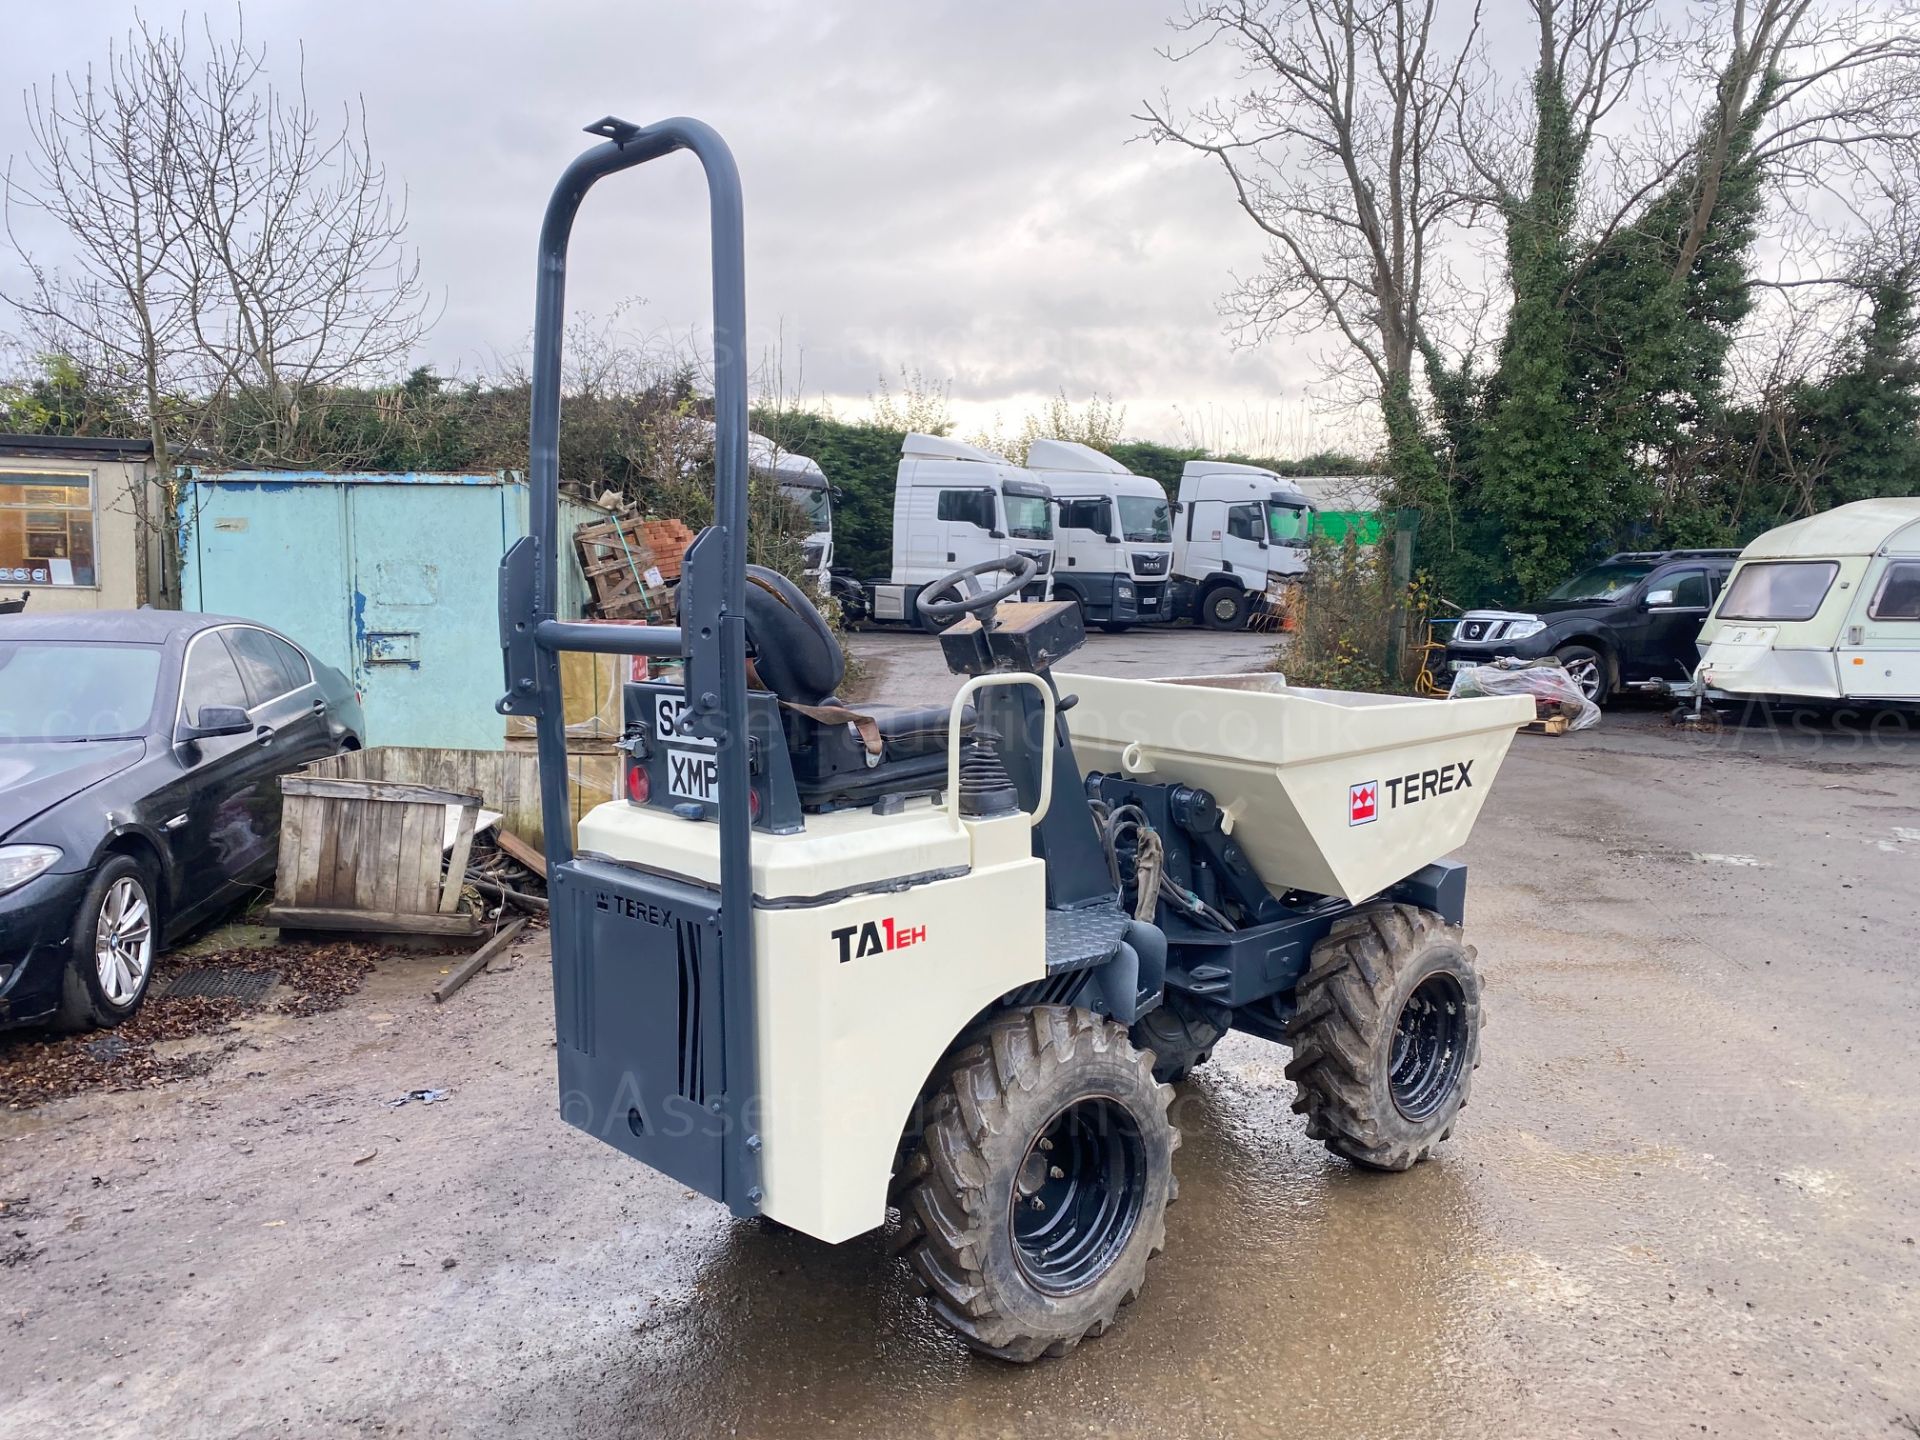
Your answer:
<point x="956" y="505"/>
<point x="1240" y="535"/>
<point x="1826" y="608"/>
<point x="804" y="483"/>
<point x="1113" y="535"/>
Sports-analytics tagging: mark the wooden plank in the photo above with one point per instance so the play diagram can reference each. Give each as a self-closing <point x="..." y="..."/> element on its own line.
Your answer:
<point x="417" y="882"/>
<point x="343" y="789"/>
<point x="479" y="960"/>
<point x="457" y="861"/>
<point x="297" y="917"/>
<point x="520" y="850"/>
<point x="287" y="866"/>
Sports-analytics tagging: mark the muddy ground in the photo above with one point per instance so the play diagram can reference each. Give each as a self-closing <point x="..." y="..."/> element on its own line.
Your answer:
<point x="1684" y="1200"/>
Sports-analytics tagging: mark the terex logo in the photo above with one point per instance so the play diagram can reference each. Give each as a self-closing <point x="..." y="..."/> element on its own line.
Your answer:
<point x="632" y="909"/>
<point x="1363" y="800"/>
<point x="873" y="939"/>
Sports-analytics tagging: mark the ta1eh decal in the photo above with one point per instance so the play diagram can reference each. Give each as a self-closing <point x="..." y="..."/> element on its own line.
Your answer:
<point x="873" y="938"/>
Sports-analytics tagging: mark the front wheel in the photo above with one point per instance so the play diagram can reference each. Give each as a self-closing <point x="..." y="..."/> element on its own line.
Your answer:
<point x="115" y="938"/>
<point x="1587" y="668"/>
<point x="1224" y="608"/>
<point x="1040" y="1187"/>
<point x="1386" y="1036"/>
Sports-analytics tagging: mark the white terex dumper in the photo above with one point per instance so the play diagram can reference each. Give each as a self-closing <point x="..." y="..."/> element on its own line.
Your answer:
<point x="828" y="962"/>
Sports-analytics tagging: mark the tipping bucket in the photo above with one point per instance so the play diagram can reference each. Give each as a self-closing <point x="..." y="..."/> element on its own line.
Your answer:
<point x="1330" y="791"/>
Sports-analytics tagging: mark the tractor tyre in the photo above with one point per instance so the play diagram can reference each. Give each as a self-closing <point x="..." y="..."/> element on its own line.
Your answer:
<point x="1040" y="1186"/>
<point x="1181" y="1032"/>
<point x="1385" y="1036"/>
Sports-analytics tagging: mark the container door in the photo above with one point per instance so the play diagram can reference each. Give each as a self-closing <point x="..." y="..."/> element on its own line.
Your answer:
<point x="425" y="616"/>
<point x="275" y="552"/>
<point x="1880" y="651"/>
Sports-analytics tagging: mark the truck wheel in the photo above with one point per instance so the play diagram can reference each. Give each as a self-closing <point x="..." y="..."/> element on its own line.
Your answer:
<point x="1588" y="669"/>
<point x="1386" y="1036"/>
<point x="1224" y="608"/>
<point x="1181" y="1032"/>
<point x="1040" y="1186"/>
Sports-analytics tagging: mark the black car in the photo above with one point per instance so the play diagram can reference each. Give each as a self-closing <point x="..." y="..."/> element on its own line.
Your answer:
<point x="1628" y="623"/>
<point x="139" y="756"/>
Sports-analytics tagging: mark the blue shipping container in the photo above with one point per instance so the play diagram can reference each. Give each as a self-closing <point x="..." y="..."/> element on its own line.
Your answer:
<point x="388" y="578"/>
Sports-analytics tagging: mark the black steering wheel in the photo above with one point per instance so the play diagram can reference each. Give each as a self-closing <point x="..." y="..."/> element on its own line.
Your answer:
<point x="970" y="598"/>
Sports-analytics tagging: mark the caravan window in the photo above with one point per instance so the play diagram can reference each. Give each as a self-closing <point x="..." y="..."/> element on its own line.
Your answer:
<point x="1898" y="597"/>
<point x="1778" y="590"/>
<point x="968" y="507"/>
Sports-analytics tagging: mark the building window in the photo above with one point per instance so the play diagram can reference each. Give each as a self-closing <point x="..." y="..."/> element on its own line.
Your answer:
<point x="46" y="529"/>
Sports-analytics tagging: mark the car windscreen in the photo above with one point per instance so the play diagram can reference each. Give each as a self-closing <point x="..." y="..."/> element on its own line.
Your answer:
<point x="1603" y="582"/>
<point x="1778" y="590"/>
<point x="1145" y="520"/>
<point x="1288" y="524"/>
<point x="63" y="690"/>
<point x="1029" y="517"/>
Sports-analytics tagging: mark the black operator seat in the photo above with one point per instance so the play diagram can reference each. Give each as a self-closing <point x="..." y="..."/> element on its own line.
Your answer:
<point x="842" y="754"/>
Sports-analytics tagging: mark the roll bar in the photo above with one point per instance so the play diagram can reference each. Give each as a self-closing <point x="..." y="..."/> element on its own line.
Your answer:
<point x="712" y="634"/>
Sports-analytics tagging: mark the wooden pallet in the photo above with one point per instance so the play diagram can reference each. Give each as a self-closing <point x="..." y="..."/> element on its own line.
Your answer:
<point x="1552" y="725"/>
<point x="622" y="570"/>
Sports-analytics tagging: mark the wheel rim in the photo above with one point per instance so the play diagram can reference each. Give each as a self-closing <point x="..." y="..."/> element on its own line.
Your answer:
<point x="123" y="941"/>
<point x="1586" y="674"/>
<point x="1429" y="1046"/>
<point x="1224" y="607"/>
<point x="1078" y="1195"/>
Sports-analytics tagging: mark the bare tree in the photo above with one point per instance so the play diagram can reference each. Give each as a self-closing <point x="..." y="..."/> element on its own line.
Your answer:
<point x="224" y="253"/>
<point x="1339" y="150"/>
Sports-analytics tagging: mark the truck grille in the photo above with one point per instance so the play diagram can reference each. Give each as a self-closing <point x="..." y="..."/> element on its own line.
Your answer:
<point x="812" y="555"/>
<point x="1150" y="564"/>
<point x="1042" y="558"/>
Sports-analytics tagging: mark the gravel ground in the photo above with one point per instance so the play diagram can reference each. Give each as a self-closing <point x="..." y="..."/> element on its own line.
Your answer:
<point x="1685" y="1199"/>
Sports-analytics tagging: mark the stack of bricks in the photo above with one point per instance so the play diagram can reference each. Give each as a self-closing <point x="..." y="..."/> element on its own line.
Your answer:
<point x="668" y="540"/>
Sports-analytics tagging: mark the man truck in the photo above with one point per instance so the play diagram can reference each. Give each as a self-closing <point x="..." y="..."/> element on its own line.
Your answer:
<point x="1113" y="535"/>
<point x="955" y="505"/>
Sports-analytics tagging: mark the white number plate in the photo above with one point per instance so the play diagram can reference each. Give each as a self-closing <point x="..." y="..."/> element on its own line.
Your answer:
<point x="693" y="775"/>
<point x="671" y="716"/>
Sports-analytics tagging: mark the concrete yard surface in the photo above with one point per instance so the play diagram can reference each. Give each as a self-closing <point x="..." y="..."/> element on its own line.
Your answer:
<point x="1684" y="1199"/>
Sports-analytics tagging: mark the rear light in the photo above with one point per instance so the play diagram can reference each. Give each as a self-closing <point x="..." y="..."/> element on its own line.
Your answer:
<point x="753" y="806"/>
<point x="638" y="786"/>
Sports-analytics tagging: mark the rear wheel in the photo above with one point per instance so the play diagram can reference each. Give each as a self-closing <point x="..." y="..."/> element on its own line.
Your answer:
<point x="115" y="939"/>
<point x="1181" y="1031"/>
<point x="1224" y="608"/>
<point x="1588" y="669"/>
<point x="1040" y="1186"/>
<point x="1386" y="1036"/>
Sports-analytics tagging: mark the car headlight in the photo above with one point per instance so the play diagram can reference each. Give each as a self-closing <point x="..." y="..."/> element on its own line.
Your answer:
<point x="20" y="863"/>
<point x="1522" y="629"/>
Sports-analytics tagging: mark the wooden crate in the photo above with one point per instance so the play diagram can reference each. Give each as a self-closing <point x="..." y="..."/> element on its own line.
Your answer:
<point x="360" y="854"/>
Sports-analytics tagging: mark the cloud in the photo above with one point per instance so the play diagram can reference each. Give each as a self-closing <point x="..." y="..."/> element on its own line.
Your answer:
<point x="952" y="186"/>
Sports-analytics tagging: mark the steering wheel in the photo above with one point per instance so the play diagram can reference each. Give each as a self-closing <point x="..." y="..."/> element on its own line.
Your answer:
<point x="970" y="598"/>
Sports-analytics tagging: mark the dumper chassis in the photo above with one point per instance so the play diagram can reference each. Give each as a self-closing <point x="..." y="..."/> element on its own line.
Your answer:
<point x="834" y="964"/>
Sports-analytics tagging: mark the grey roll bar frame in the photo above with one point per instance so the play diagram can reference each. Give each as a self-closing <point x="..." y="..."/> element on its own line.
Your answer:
<point x="712" y="635"/>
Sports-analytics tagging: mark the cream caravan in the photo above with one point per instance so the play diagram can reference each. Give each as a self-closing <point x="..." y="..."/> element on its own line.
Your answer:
<point x="1827" y="608"/>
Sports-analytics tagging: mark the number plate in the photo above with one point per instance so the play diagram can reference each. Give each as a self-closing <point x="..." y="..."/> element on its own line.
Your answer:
<point x="693" y="775"/>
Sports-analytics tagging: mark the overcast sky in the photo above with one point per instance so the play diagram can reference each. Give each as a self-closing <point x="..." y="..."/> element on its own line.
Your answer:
<point x="945" y="184"/>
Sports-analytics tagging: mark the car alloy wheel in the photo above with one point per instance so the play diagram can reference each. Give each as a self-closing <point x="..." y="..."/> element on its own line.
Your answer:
<point x="1586" y="674"/>
<point x="123" y="941"/>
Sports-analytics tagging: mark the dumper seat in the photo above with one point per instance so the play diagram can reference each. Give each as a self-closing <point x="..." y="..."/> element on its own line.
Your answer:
<point x="841" y="754"/>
